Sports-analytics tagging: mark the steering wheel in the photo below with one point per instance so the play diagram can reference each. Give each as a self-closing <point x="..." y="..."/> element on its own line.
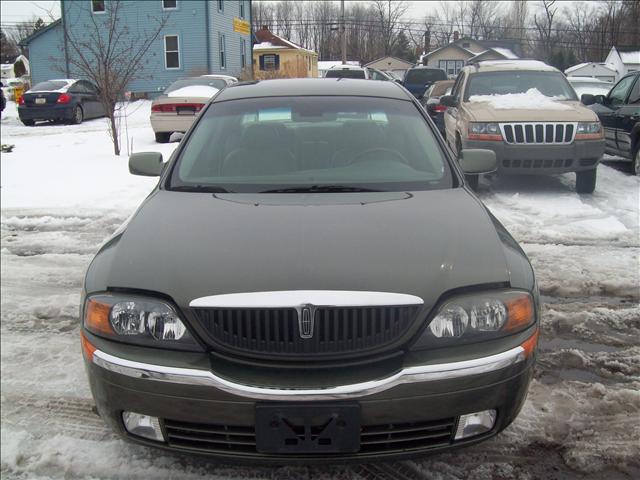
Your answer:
<point x="398" y="155"/>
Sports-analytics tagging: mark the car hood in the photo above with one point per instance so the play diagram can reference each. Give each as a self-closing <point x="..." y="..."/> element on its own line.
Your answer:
<point x="190" y="245"/>
<point x="484" y="112"/>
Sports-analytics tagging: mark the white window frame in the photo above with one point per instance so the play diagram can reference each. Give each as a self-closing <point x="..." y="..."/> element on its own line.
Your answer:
<point x="170" y="8"/>
<point x="264" y="62"/>
<point x="98" y="12"/>
<point x="222" y="51"/>
<point x="164" y="47"/>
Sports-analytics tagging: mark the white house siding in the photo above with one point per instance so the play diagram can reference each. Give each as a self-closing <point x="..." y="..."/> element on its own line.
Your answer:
<point x="592" y="70"/>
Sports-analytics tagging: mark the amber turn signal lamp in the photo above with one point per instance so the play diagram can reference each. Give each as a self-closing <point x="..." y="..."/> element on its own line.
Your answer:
<point x="530" y="344"/>
<point x="96" y="317"/>
<point x="520" y="313"/>
<point x="87" y="347"/>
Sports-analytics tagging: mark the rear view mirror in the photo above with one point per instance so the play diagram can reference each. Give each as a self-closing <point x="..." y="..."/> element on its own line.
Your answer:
<point x="176" y="137"/>
<point x="449" y="101"/>
<point x="147" y="164"/>
<point x="476" y="161"/>
<point x="588" y="99"/>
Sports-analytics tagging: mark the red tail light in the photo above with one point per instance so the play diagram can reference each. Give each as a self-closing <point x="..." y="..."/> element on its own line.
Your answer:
<point x="64" y="98"/>
<point x="21" y="100"/>
<point x="173" y="107"/>
<point x="439" y="108"/>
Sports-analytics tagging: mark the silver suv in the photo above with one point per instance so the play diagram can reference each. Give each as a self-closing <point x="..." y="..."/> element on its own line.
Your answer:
<point x="529" y="115"/>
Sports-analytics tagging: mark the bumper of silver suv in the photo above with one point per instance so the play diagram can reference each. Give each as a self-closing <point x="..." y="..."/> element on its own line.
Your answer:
<point x="543" y="159"/>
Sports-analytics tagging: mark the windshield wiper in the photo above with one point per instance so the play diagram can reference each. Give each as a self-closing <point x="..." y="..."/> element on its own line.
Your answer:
<point x="321" y="189"/>
<point x="201" y="188"/>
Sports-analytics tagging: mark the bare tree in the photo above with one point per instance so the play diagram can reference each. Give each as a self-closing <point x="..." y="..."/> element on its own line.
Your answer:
<point x="111" y="55"/>
<point x="544" y="26"/>
<point x="388" y="15"/>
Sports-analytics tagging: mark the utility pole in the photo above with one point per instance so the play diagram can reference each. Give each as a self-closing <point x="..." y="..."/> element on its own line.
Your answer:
<point x="344" y="33"/>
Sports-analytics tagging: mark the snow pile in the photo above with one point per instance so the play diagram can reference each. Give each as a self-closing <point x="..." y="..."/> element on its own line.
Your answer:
<point x="531" y="99"/>
<point x="202" y="91"/>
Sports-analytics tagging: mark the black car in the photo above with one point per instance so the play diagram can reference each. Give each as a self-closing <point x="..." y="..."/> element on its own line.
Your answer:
<point x="418" y="79"/>
<point x="619" y="113"/>
<point x="310" y="280"/>
<point x="62" y="100"/>
<point x="3" y="101"/>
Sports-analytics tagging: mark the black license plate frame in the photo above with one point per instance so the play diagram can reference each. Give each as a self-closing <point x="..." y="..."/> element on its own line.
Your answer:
<point x="308" y="428"/>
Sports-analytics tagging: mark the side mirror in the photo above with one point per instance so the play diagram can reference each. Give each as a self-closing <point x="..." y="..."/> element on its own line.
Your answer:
<point x="449" y="101"/>
<point x="398" y="81"/>
<point x="588" y="99"/>
<point x="176" y="137"/>
<point x="476" y="161"/>
<point x="147" y="164"/>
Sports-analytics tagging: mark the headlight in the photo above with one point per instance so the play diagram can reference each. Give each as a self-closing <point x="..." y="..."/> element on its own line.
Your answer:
<point x="478" y="317"/>
<point x="589" y="131"/>
<point x="484" y="131"/>
<point x="139" y="320"/>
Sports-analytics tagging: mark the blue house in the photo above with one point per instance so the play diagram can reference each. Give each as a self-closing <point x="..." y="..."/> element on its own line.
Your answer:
<point x="198" y="37"/>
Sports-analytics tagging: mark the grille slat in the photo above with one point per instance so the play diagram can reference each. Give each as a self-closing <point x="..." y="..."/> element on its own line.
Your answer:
<point x="241" y="440"/>
<point x="557" y="133"/>
<point x="276" y="330"/>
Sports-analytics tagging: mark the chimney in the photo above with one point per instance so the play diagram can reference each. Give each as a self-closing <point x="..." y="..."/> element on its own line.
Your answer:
<point x="427" y="41"/>
<point x="456" y="36"/>
<point x="264" y="27"/>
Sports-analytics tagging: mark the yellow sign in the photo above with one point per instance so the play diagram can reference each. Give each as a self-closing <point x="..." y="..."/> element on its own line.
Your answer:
<point x="17" y="93"/>
<point x="241" y="26"/>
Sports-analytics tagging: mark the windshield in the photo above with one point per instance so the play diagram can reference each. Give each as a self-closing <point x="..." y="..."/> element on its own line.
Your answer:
<point x="201" y="81"/>
<point x="320" y="143"/>
<point x="49" y="86"/>
<point x="344" y="73"/>
<point x="424" y="75"/>
<point x="551" y="84"/>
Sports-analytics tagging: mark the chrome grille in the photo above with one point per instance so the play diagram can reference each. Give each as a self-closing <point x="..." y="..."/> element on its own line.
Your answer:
<point x="557" y="133"/>
<point x="276" y="331"/>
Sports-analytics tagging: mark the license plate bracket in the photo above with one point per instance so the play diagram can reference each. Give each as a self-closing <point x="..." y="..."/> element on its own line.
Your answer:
<point x="302" y="428"/>
<point x="40" y="101"/>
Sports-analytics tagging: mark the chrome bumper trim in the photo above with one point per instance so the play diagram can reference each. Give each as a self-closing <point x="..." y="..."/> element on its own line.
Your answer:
<point x="422" y="373"/>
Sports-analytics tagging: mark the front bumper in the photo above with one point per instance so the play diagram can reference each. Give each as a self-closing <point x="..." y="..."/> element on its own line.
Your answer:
<point x="192" y="400"/>
<point x="57" y="112"/>
<point x="543" y="159"/>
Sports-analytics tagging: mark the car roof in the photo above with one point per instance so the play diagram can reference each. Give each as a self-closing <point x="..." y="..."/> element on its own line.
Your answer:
<point x="510" y="65"/>
<point x="424" y="67"/>
<point x="313" y="87"/>
<point x="347" y="67"/>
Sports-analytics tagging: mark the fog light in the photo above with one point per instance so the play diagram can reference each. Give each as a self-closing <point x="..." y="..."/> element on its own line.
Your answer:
<point x="142" y="426"/>
<point x="475" y="423"/>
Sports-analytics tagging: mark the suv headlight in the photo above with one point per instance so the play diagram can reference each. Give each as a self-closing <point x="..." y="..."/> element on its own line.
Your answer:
<point x="589" y="131"/>
<point x="135" y="319"/>
<point x="484" y="131"/>
<point x="477" y="317"/>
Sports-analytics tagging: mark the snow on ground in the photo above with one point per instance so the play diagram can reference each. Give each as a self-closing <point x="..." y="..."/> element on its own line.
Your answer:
<point x="63" y="192"/>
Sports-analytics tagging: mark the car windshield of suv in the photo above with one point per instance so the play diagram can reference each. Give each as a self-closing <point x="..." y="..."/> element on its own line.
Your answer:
<point x="200" y="81"/>
<point x="424" y="75"/>
<point x="321" y="143"/>
<point x="551" y="84"/>
<point x="344" y="73"/>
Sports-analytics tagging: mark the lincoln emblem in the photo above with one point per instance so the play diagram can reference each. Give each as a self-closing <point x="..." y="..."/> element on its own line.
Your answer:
<point x="306" y="317"/>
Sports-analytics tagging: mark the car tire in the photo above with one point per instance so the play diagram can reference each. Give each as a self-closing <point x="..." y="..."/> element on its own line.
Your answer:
<point x="162" y="137"/>
<point x="586" y="181"/>
<point x="28" y="123"/>
<point x="78" y="115"/>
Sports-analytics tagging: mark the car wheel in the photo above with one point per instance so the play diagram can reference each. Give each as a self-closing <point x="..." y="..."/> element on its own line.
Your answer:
<point x="635" y="165"/>
<point x="28" y="123"/>
<point x="78" y="115"/>
<point x="162" y="137"/>
<point x="586" y="181"/>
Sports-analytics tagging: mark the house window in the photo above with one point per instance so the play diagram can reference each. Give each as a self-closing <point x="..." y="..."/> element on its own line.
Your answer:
<point x="452" y="67"/>
<point x="269" y="62"/>
<point x="241" y="8"/>
<point x="171" y="52"/>
<point x="243" y="52"/>
<point x="223" y="53"/>
<point x="221" y="5"/>
<point x="169" y="4"/>
<point x="97" y="6"/>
